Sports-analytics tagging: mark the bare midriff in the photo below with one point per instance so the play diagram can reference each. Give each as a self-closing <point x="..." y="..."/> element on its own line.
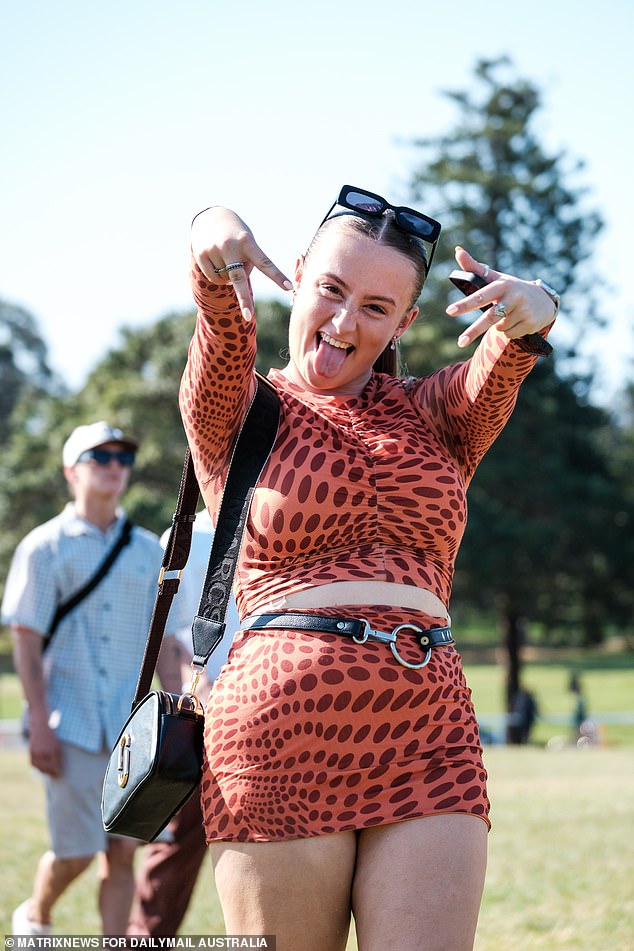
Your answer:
<point x="360" y="592"/>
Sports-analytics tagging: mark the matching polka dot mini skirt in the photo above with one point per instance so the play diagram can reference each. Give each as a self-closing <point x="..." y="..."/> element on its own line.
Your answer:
<point x="311" y="733"/>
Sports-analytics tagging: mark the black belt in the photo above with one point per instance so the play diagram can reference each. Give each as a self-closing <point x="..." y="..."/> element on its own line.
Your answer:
<point x="357" y="628"/>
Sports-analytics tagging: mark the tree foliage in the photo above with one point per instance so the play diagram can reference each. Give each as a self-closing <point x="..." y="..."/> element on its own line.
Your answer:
<point x="552" y="505"/>
<point x="135" y="386"/>
<point x="545" y="500"/>
<point x="501" y="195"/>
<point x="23" y="362"/>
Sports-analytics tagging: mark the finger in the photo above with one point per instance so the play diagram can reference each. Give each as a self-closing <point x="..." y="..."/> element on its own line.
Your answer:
<point x="514" y="326"/>
<point x="211" y="268"/>
<point x="475" y="330"/>
<point x="479" y="300"/>
<point x="251" y="255"/>
<point x="487" y="320"/>
<point x="467" y="262"/>
<point x="46" y="763"/>
<point x="239" y="279"/>
<point x="270" y="270"/>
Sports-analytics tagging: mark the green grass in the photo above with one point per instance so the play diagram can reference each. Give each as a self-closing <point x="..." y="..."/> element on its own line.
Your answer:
<point x="561" y="853"/>
<point x="10" y="697"/>
<point x="561" y="848"/>
<point x="608" y="684"/>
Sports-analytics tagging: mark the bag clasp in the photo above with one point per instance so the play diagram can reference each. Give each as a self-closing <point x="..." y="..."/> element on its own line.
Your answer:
<point x="123" y="761"/>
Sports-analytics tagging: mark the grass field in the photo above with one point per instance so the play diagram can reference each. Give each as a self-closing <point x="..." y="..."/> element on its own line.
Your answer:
<point x="608" y="685"/>
<point x="561" y="849"/>
<point x="607" y="679"/>
<point x="560" y="866"/>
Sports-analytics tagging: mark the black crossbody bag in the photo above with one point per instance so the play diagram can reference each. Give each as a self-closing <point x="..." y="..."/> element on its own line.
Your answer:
<point x="156" y="763"/>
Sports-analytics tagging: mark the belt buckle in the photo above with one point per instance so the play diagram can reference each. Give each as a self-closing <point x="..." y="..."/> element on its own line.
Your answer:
<point x="369" y="634"/>
<point x="367" y="630"/>
<point x="394" y="648"/>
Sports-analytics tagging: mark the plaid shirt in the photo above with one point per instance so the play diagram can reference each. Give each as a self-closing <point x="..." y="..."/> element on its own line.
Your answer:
<point x="92" y="664"/>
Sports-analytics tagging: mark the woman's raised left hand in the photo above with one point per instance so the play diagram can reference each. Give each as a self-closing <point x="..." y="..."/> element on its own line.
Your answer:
<point x="528" y="307"/>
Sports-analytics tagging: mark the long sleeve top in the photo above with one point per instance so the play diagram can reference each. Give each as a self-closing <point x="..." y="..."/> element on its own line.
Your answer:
<point x="371" y="487"/>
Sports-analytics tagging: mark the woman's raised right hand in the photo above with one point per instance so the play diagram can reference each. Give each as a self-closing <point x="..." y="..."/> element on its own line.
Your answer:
<point x="220" y="240"/>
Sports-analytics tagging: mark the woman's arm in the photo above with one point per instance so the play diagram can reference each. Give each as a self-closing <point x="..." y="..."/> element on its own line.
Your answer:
<point x="218" y="380"/>
<point x="468" y="404"/>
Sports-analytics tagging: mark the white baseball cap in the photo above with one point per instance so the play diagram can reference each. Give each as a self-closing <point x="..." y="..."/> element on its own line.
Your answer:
<point x="91" y="436"/>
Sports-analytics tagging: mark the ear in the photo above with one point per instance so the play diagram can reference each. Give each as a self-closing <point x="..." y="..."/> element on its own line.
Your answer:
<point x="69" y="475"/>
<point x="299" y="270"/>
<point x="407" y="321"/>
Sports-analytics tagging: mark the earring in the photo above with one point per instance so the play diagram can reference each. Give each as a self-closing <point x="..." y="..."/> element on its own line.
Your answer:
<point x="393" y="344"/>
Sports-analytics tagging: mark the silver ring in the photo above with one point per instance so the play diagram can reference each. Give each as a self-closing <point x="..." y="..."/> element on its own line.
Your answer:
<point x="485" y="273"/>
<point x="500" y="310"/>
<point x="228" y="267"/>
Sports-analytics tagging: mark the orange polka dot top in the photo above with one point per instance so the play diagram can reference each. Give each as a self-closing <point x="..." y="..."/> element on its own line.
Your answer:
<point x="365" y="488"/>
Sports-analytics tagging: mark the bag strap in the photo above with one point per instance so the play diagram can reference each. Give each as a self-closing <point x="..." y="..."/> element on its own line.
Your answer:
<point x="251" y="451"/>
<point x="249" y="458"/>
<point x="71" y="603"/>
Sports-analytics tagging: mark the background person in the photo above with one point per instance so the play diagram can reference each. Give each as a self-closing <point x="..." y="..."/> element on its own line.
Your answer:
<point x="344" y="768"/>
<point x="79" y="692"/>
<point x="524" y="713"/>
<point x="170" y="866"/>
<point x="580" y="709"/>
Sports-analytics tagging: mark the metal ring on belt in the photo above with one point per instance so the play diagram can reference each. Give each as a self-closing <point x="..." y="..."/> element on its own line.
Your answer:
<point x="357" y="628"/>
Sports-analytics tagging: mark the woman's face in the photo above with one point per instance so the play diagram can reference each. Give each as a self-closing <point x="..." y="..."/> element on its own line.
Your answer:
<point x="352" y="297"/>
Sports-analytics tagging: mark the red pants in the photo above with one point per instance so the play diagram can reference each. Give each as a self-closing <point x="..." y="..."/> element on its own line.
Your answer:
<point x="168" y="874"/>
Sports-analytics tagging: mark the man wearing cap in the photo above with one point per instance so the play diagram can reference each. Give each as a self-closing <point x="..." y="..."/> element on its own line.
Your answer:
<point x="79" y="683"/>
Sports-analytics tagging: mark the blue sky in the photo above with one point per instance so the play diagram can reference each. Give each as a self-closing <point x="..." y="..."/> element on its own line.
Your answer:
<point x="120" y="121"/>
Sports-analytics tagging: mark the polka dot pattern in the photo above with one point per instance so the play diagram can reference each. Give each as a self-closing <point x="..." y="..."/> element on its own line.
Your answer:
<point x="364" y="488"/>
<point x="309" y="734"/>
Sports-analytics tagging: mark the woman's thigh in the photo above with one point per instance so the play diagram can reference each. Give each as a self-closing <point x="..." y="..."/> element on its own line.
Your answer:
<point x="298" y="890"/>
<point x="418" y="884"/>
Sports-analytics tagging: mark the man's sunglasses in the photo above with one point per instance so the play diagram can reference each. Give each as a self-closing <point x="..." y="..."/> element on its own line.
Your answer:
<point x="104" y="456"/>
<point x="368" y="205"/>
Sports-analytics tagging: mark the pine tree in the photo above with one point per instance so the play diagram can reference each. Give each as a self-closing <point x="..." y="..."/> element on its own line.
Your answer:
<point x="541" y="499"/>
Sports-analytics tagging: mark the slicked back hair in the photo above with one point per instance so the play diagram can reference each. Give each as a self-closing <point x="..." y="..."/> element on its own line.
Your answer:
<point x="385" y="231"/>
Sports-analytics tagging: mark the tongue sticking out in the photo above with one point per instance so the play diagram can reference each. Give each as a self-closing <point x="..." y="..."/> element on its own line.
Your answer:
<point x="328" y="359"/>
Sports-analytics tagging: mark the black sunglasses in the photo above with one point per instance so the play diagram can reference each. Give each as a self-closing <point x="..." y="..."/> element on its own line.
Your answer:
<point x="368" y="205"/>
<point x="104" y="456"/>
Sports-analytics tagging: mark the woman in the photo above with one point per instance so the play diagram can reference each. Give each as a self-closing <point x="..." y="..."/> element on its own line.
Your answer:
<point x="344" y="765"/>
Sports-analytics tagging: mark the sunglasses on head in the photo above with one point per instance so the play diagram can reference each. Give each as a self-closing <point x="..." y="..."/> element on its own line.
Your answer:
<point x="368" y="205"/>
<point x="103" y="457"/>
